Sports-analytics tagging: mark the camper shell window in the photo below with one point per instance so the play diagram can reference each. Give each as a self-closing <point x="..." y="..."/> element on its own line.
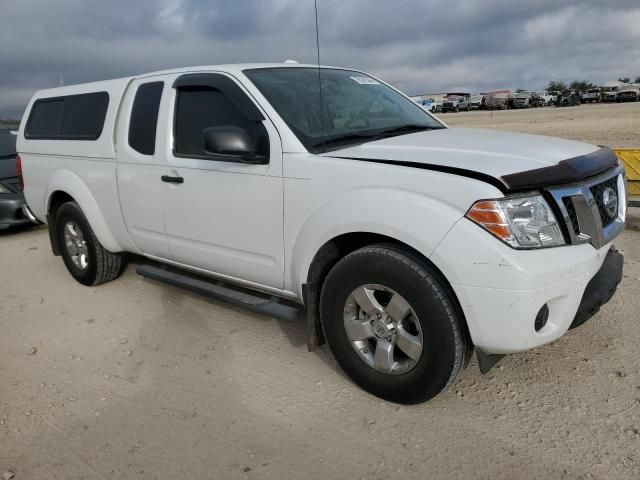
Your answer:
<point x="72" y="117"/>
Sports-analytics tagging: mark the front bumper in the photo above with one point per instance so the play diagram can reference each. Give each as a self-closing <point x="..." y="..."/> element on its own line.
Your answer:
<point x="600" y="288"/>
<point x="14" y="211"/>
<point x="501" y="290"/>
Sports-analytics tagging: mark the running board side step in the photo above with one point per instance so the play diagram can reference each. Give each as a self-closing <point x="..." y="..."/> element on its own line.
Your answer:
<point x="257" y="302"/>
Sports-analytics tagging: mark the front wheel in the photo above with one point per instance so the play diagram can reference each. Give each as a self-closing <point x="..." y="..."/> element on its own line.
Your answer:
<point x="84" y="256"/>
<point x="393" y="324"/>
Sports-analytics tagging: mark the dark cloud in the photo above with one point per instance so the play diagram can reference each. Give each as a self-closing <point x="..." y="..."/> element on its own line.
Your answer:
<point x="418" y="45"/>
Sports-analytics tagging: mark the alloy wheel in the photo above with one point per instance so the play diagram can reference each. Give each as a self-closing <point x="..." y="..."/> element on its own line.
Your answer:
<point x="76" y="245"/>
<point x="383" y="329"/>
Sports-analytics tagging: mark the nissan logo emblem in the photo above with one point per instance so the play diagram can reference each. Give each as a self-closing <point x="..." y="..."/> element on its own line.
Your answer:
<point x="610" y="202"/>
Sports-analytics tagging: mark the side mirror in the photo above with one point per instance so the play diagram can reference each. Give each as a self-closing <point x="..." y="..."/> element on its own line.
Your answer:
<point x="231" y="141"/>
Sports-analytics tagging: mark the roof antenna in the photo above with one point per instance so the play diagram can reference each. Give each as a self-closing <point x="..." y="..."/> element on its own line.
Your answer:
<point x="315" y="2"/>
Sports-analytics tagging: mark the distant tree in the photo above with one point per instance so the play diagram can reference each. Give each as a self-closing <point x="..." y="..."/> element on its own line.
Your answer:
<point x="556" y="86"/>
<point x="637" y="80"/>
<point x="518" y="90"/>
<point x="581" y="85"/>
<point x="624" y="80"/>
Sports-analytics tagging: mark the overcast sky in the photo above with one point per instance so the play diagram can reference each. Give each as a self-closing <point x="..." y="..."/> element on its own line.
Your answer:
<point x="418" y="45"/>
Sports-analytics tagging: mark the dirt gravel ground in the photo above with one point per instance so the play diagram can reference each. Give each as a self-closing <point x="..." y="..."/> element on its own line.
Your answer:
<point x="134" y="379"/>
<point x="611" y="124"/>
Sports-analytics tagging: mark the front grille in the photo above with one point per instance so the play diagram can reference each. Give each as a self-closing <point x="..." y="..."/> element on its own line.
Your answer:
<point x="584" y="212"/>
<point x="598" y="193"/>
<point x="573" y="217"/>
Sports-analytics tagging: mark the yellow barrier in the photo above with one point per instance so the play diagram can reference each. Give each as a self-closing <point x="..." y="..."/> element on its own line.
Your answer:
<point x="630" y="157"/>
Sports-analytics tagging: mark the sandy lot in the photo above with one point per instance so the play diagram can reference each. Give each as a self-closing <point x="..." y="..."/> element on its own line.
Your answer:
<point x="612" y="124"/>
<point x="134" y="379"/>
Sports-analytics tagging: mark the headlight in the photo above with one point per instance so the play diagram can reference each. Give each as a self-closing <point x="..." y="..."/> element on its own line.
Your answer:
<point x="521" y="222"/>
<point x="4" y="189"/>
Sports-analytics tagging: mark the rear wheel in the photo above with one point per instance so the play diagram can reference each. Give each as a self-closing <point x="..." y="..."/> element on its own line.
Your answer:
<point x="85" y="258"/>
<point x="393" y="325"/>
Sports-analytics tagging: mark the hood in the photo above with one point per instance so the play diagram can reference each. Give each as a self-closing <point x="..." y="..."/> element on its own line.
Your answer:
<point x="8" y="168"/>
<point x="503" y="156"/>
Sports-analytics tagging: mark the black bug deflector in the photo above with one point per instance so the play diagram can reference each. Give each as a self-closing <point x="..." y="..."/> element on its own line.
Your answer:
<point x="566" y="171"/>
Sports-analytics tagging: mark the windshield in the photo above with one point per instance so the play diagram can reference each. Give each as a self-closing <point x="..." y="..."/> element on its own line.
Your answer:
<point x="7" y="143"/>
<point x="355" y="108"/>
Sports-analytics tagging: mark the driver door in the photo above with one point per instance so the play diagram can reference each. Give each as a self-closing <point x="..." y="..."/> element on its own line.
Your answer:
<point x="225" y="216"/>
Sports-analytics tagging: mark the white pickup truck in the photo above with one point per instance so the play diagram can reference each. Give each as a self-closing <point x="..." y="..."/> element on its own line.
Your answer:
<point x="408" y="243"/>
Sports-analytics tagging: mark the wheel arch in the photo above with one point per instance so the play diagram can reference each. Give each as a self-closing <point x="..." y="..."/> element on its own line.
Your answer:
<point x="332" y="251"/>
<point x="65" y="186"/>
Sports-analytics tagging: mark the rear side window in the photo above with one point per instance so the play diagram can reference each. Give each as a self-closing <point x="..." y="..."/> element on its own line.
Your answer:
<point x="198" y="108"/>
<point x="73" y="117"/>
<point x="144" y="118"/>
<point x="45" y="118"/>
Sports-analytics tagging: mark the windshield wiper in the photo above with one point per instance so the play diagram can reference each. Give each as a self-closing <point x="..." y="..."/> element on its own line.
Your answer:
<point x="405" y="129"/>
<point x="375" y="135"/>
<point x="347" y="138"/>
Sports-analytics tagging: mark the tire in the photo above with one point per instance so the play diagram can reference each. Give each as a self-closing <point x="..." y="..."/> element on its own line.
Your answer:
<point x="434" y="317"/>
<point x="92" y="264"/>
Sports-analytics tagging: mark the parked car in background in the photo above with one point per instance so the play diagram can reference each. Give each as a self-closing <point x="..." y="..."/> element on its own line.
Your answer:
<point x="591" y="95"/>
<point x="537" y="100"/>
<point x="547" y="98"/>
<point x="628" y="93"/>
<point x="476" y="102"/>
<point x="554" y="96"/>
<point x="429" y="105"/>
<point x="497" y="101"/>
<point x="568" y="98"/>
<point x="409" y="243"/>
<point x="13" y="208"/>
<point x="610" y="90"/>
<point x="527" y="100"/>
<point x="455" y="103"/>
<point x="437" y="101"/>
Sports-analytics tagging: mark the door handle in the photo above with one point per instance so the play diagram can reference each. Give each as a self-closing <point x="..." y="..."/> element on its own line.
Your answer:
<point x="170" y="179"/>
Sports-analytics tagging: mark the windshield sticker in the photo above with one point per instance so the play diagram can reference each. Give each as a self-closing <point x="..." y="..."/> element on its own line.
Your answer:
<point x="365" y="80"/>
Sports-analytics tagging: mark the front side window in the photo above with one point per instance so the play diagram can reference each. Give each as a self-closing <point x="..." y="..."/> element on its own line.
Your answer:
<point x="350" y="108"/>
<point x="198" y="108"/>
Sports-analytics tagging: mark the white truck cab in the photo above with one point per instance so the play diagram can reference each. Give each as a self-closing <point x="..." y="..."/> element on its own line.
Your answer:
<point x="408" y="243"/>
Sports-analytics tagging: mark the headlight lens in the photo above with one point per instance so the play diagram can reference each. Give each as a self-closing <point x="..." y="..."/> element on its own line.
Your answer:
<point x="521" y="222"/>
<point x="4" y="189"/>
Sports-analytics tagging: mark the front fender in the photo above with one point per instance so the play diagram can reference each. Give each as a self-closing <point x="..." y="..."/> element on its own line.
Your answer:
<point x="414" y="219"/>
<point x="67" y="181"/>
